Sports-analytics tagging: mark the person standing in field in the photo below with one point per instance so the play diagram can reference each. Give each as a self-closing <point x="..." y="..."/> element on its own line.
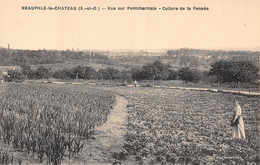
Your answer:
<point x="135" y="83"/>
<point x="237" y="123"/>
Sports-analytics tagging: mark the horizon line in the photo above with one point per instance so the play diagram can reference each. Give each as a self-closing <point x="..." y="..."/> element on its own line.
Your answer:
<point x="255" y="49"/>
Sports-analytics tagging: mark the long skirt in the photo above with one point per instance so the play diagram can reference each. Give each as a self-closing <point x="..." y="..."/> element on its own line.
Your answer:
<point x="238" y="131"/>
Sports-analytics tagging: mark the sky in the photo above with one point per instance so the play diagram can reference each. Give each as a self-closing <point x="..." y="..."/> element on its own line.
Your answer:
<point x="232" y="24"/>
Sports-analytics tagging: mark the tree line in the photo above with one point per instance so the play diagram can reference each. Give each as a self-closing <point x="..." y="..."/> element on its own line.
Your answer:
<point x="194" y="58"/>
<point x="220" y="72"/>
<point x="37" y="57"/>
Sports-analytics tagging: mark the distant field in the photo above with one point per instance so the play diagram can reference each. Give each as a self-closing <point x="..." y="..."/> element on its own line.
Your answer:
<point x="179" y="83"/>
<point x="71" y="64"/>
<point x="67" y="64"/>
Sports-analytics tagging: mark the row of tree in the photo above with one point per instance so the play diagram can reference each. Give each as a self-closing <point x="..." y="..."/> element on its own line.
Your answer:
<point x="37" y="57"/>
<point x="153" y="71"/>
<point x="184" y="57"/>
<point x="221" y="71"/>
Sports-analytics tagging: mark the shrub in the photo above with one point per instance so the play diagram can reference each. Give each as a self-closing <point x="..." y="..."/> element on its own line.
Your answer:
<point x="189" y="75"/>
<point x="14" y="76"/>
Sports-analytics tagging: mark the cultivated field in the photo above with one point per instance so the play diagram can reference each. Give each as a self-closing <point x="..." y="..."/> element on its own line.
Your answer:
<point x="49" y="121"/>
<point x="164" y="126"/>
<point x="181" y="126"/>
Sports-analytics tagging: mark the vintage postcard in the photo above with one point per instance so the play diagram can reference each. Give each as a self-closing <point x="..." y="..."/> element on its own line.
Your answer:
<point x="129" y="82"/>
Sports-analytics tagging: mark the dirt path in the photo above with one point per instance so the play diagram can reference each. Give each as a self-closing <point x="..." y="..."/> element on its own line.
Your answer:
<point x="108" y="138"/>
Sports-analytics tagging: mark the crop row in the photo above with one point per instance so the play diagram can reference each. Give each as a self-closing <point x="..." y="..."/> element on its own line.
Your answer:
<point x="50" y="121"/>
<point x="187" y="127"/>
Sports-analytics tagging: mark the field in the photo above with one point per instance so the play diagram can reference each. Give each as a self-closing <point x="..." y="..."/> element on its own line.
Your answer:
<point x="164" y="126"/>
<point x="50" y="121"/>
<point x="181" y="126"/>
<point x="75" y="63"/>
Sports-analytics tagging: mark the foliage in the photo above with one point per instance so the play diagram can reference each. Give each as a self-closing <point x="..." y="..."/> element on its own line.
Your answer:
<point x="152" y="71"/>
<point x="42" y="73"/>
<point x="109" y="74"/>
<point x="188" y="127"/>
<point x="137" y="74"/>
<point x="183" y="57"/>
<point x="81" y="72"/>
<point x="27" y="71"/>
<point x="85" y="72"/>
<point x="156" y="71"/>
<point x="244" y="71"/>
<point x="38" y="57"/>
<point x="7" y="158"/>
<point x="65" y="74"/>
<point x="173" y="75"/>
<point x="126" y="75"/>
<point x="234" y="71"/>
<point x="189" y="75"/>
<point x="14" y="76"/>
<point x="51" y="120"/>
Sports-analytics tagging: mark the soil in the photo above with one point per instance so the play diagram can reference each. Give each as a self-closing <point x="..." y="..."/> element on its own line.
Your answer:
<point x="108" y="138"/>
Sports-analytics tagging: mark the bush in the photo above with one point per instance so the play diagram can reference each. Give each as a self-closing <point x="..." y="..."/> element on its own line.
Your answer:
<point x="109" y="74"/>
<point x="27" y="71"/>
<point x="189" y="75"/>
<point x="156" y="71"/>
<point x="14" y="76"/>
<point x="64" y="74"/>
<point x="43" y="72"/>
<point x="172" y="75"/>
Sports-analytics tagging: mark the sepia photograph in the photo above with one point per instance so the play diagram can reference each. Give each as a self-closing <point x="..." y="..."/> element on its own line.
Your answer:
<point x="129" y="82"/>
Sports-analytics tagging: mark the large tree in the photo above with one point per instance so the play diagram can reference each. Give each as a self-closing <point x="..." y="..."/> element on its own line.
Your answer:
<point x="43" y="72"/>
<point x="234" y="71"/>
<point x="83" y="72"/>
<point x="189" y="75"/>
<point x="27" y="71"/>
<point x="156" y="71"/>
<point x="109" y="73"/>
<point x="244" y="72"/>
<point x="220" y="69"/>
